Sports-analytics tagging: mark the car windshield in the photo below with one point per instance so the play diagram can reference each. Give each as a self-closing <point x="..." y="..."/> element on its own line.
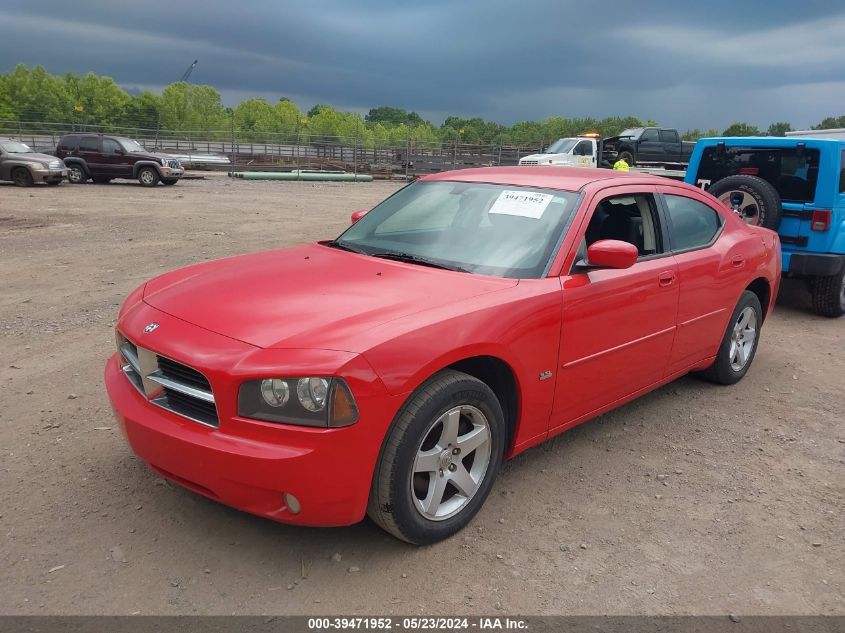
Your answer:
<point x="132" y="146"/>
<point x="499" y="230"/>
<point x="14" y="147"/>
<point x="561" y="146"/>
<point x="633" y="132"/>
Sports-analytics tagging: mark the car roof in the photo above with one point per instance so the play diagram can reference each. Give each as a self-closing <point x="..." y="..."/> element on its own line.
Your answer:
<point x="563" y="178"/>
<point x="766" y="141"/>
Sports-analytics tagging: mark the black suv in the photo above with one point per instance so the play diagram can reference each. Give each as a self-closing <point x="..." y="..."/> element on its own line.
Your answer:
<point x="101" y="158"/>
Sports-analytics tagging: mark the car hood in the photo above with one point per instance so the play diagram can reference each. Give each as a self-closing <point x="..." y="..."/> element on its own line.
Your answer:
<point x="35" y="157"/>
<point x="309" y="296"/>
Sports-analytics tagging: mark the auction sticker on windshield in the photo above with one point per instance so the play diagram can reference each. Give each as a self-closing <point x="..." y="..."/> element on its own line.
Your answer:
<point x="526" y="204"/>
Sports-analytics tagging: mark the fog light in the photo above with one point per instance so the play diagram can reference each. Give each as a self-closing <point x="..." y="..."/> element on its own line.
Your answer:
<point x="292" y="503"/>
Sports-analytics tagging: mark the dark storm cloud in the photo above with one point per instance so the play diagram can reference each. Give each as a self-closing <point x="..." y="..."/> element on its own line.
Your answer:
<point x="687" y="64"/>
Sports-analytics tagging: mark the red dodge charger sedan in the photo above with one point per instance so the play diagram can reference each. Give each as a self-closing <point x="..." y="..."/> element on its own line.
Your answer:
<point x="469" y="316"/>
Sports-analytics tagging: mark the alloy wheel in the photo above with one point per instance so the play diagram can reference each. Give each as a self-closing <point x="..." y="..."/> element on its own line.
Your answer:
<point x="451" y="462"/>
<point x="744" y="205"/>
<point x="743" y="339"/>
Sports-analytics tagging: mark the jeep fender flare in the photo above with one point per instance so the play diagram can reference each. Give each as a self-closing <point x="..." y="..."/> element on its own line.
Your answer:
<point x="78" y="161"/>
<point x="145" y="163"/>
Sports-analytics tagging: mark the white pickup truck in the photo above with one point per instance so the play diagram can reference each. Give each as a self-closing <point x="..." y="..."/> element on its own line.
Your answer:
<point x="578" y="151"/>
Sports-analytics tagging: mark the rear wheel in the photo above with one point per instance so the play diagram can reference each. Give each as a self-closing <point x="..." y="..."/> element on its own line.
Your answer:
<point x="739" y="345"/>
<point x="76" y="174"/>
<point x="751" y="198"/>
<point x="439" y="460"/>
<point x="21" y="177"/>
<point x="148" y="176"/>
<point x="829" y="295"/>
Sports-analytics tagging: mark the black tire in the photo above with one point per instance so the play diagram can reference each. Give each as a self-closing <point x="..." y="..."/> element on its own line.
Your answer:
<point x="829" y="295"/>
<point x="101" y="180"/>
<point x="148" y="176"/>
<point x="392" y="503"/>
<point x="76" y="174"/>
<point x="759" y="200"/>
<point x="723" y="371"/>
<point x="21" y="177"/>
<point x="170" y="181"/>
<point x="627" y="156"/>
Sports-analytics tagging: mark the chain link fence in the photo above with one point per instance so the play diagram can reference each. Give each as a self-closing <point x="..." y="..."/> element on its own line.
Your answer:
<point x="235" y="150"/>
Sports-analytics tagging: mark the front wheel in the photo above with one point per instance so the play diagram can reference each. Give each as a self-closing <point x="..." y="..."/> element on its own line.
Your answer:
<point x="148" y="177"/>
<point x="627" y="156"/>
<point x="439" y="460"/>
<point x="829" y="295"/>
<point x="21" y="177"/>
<point x="739" y="345"/>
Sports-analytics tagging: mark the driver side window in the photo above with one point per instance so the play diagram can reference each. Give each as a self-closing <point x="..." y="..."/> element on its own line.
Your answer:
<point x="628" y="218"/>
<point x="110" y="146"/>
<point x="649" y="135"/>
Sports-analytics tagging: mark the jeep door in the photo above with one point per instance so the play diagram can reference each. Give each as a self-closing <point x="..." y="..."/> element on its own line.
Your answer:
<point x="89" y="151"/>
<point x="617" y="324"/>
<point x="116" y="164"/>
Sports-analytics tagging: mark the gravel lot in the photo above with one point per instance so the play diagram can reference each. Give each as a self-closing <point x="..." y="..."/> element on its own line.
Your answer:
<point x="695" y="499"/>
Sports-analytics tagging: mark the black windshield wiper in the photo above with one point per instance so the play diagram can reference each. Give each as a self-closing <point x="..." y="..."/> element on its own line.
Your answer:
<point x="415" y="259"/>
<point x="344" y="247"/>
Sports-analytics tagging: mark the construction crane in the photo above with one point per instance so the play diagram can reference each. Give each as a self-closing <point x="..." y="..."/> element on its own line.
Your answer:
<point x="188" y="72"/>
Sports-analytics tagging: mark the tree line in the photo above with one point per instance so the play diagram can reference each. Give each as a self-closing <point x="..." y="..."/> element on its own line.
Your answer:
<point x="34" y="95"/>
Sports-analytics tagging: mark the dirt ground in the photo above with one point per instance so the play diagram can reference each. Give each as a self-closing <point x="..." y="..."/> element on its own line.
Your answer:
<point x="695" y="499"/>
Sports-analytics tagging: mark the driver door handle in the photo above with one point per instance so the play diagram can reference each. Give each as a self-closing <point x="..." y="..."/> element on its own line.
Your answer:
<point x="666" y="278"/>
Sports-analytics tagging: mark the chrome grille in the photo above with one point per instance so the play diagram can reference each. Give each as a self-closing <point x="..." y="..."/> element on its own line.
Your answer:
<point x="175" y="164"/>
<point x="168" y="383"/>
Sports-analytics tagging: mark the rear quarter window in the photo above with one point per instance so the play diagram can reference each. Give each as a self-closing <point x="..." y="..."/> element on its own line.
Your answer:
<point x="88" y="144"/>
<point x="692" y="224"/>
<point x="792" y="172"/>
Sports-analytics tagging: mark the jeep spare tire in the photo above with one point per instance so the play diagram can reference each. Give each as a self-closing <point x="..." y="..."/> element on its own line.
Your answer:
<point x="755" y="200"/>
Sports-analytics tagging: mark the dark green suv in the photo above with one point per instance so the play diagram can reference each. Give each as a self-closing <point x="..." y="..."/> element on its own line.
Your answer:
<point x="102" y="158"/>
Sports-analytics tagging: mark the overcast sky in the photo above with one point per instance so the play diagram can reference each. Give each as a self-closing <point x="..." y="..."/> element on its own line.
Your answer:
<point x="686" y="64"/>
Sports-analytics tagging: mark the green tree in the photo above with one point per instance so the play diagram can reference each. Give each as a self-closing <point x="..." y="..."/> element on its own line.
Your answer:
<point x="143" y="111"/>
<point x="779" y="128"/>
<point x="389" y="116"/>
<point x="192" y="107"/>
<point x="741" y="129"/>
<point x="831" y="122"/>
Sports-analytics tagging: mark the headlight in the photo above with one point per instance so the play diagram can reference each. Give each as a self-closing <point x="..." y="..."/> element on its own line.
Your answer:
<point x="164" y="162"/>
<point x="318" y="401"/>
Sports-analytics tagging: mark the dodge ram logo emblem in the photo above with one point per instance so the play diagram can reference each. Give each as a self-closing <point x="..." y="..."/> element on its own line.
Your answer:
<point x="150" y="328"/>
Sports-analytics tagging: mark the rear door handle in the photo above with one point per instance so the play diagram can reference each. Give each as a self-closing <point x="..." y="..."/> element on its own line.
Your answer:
<point x="737" y="261"/>
<point x="666" y="278"/>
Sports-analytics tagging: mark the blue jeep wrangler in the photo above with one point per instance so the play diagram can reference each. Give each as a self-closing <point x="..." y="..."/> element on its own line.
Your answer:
<point x="795" y="186"/>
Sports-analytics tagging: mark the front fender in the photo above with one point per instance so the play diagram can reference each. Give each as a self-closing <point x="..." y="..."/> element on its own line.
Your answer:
<point x="145" y="163"/>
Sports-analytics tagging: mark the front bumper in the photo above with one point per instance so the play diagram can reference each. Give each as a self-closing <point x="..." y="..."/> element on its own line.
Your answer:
<point x="49" y="175"/>
<point x="318" y="467"/>
<point x="249" y="464"/>
<point x="172" y="172"/>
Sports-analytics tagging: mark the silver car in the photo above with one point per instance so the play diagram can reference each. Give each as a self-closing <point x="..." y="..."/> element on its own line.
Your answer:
<point x="23" y="166"/>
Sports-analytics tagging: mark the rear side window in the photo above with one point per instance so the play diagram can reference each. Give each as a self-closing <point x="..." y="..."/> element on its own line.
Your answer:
<point x="842" y="173"/>
<point x="88" y="144"/>
<point x="792" y="172"/>
<point x="668" y="136"/>
<point x="68" y="143"/>
<point x="649" y="135"/>
<point x="692" y="224"/>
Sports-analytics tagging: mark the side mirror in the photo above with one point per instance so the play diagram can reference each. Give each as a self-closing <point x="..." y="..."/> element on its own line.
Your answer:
<point x="357" y="215"/>
<point x="611" y="254"/>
